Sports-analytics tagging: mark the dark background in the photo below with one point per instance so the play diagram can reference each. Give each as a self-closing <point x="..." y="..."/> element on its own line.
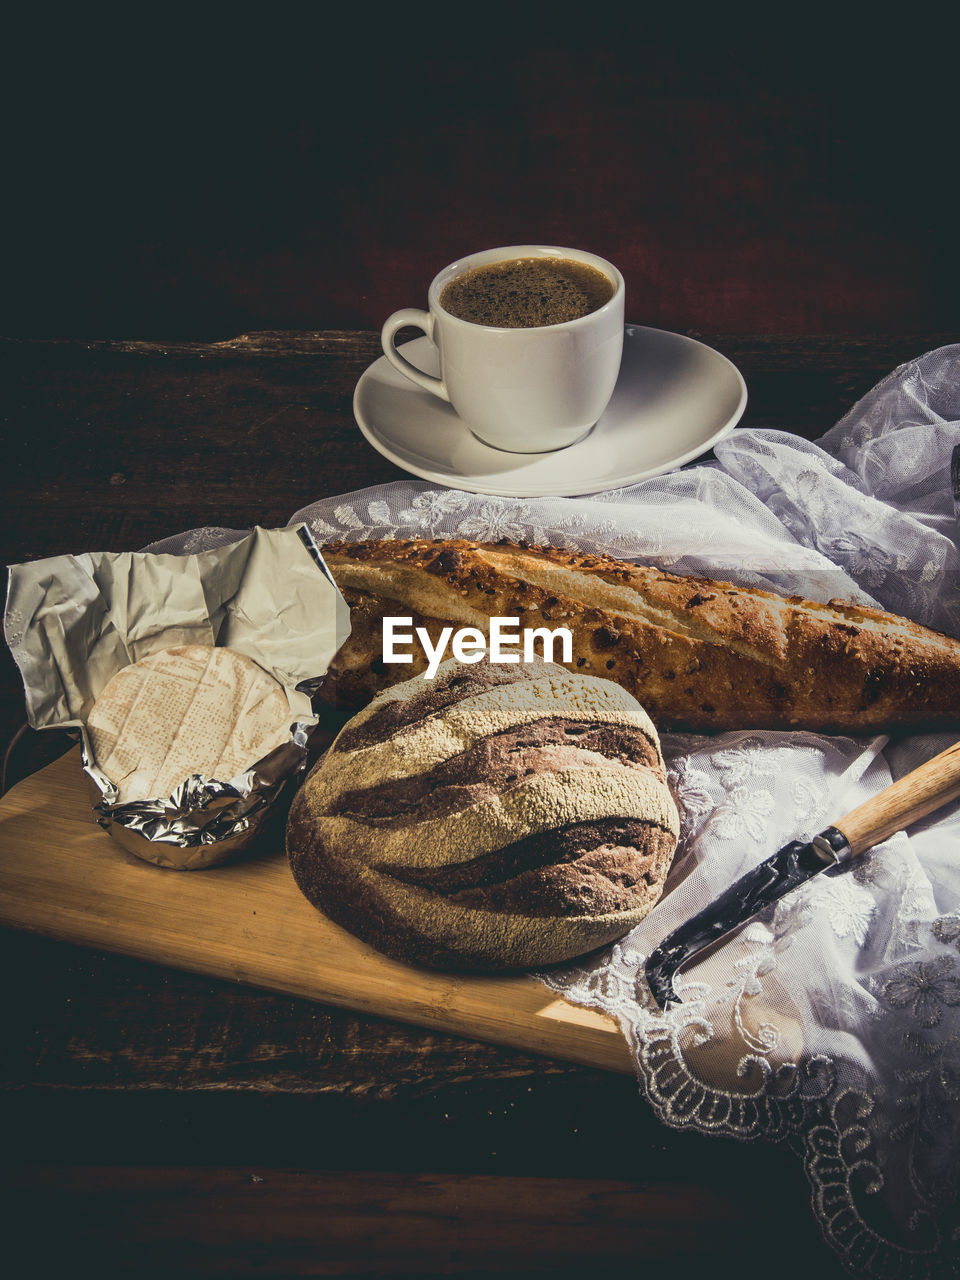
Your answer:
<point x="179" y="176"/>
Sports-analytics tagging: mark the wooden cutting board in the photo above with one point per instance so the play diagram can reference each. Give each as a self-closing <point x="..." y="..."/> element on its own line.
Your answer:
<point x="62" y="876"/>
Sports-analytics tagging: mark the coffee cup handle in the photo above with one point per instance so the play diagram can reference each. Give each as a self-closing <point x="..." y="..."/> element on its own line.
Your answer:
<point x="411" y="317"/>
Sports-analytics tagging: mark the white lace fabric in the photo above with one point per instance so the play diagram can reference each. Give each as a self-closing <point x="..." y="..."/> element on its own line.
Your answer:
<point x="832" y="1021"/>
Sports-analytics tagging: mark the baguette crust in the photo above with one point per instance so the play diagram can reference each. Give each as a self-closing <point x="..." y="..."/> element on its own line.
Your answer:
<point x="698" y="654"/>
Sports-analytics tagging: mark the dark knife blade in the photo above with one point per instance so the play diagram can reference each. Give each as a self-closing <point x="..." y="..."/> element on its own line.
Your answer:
<point x="789" y="867"/>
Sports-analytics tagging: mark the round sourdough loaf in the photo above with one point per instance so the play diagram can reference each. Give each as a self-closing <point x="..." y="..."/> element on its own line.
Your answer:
<point x="193" y="709"/>
<point x="495" y="817"/>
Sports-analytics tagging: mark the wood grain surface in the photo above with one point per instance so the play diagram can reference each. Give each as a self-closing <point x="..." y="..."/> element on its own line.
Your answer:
<point x="295" y="1222"/>
<point x="62" y="876"/>
<point x="910" y="798"/>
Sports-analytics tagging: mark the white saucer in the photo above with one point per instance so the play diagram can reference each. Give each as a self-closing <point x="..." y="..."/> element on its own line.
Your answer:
<point x="674" y="399"/>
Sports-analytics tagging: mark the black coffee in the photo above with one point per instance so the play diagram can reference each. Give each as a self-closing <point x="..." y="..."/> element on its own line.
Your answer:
<point x="525" y="293"/>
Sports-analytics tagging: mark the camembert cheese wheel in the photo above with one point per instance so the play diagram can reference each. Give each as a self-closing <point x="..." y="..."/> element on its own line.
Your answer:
<point x="194" y="709"/>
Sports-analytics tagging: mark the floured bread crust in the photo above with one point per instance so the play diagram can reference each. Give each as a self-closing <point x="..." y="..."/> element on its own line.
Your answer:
<point x="496" y="817"/>
<point x="697" y="653"/>
<point x="191" y="709"/>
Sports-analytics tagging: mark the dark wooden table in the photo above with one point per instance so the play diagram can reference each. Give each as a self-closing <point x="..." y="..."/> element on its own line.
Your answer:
<point x="163" y="1123"/>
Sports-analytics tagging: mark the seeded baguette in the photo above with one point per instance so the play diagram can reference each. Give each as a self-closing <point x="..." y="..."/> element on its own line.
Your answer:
<point x="496" y="817"/>
<point x="698" y="654"/>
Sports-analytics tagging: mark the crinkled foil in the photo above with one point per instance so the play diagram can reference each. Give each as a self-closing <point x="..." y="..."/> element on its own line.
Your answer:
<point x="204" y="822"/>
<point x="73" y="621"/>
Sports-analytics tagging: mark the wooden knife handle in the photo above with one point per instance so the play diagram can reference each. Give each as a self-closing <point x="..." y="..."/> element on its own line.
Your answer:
<point x="909" y="798"/>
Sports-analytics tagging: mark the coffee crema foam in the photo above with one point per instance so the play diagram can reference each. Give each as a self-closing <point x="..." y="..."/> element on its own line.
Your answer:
<point x="527" y="293"/>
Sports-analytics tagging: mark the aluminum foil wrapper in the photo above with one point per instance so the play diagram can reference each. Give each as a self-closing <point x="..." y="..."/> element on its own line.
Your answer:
<point x="204" y="822"/>
<point x="73" y="622"/>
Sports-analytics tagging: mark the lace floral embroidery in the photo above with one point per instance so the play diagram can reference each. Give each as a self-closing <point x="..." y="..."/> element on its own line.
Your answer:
<point x="849" y="906"/>
<point x="925" y="988"/>
<point x="947" y="929"/>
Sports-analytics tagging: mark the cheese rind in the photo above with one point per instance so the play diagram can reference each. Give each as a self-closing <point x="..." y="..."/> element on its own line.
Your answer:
<point x="196" y="709"/>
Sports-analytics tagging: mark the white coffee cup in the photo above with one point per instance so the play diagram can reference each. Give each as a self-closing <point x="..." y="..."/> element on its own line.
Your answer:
<point x="523" y="390"/>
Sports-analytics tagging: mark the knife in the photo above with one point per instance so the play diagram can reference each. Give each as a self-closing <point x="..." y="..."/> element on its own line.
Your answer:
<point x="905" y="801"/>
